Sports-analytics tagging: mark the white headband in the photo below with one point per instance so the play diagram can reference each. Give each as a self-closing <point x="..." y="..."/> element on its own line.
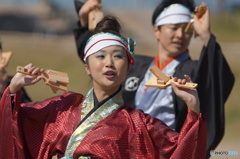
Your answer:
<point x="174" y="14"/>
<point x="102" y="40"/>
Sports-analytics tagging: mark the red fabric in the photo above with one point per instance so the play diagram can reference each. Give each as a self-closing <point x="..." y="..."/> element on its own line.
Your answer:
<point x="129" y="133"/>
<point x="42" y="130"/>
<point x="38" y="129"/>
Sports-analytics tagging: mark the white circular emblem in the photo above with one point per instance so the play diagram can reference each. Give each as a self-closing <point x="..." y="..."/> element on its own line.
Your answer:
<point x="131" y="84"/>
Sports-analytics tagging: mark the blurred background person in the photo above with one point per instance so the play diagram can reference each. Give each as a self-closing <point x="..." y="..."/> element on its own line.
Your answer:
<point x="5" y="80"/>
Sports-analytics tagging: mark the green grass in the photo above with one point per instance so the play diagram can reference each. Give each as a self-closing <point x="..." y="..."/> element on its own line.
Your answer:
<point x="233" y="103"/>
<point x="226" y="26"/>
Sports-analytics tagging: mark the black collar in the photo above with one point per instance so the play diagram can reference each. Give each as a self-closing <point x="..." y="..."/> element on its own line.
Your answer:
<point x="98" y="104"/>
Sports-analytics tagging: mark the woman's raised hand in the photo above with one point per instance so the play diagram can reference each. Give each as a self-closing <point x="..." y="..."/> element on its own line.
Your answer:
<point x="20" y="80"/>
<point x="189" y="96"/>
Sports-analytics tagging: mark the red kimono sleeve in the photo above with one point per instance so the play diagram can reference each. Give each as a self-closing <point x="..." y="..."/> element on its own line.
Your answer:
<point x="189" y="143"/>
<point x="9" y="138"/>
<point x="37" y="129"/>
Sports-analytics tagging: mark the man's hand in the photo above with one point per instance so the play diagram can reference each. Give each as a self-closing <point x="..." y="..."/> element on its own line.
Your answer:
<point x="202" y="24"/>
<point x="86" y="8"/>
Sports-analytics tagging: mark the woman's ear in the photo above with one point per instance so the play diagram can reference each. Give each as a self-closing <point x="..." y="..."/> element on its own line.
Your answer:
<point x="87" y="69"/>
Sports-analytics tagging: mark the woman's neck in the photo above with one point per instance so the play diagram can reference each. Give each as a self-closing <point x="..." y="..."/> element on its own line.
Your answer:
<point x="102" y="94"/>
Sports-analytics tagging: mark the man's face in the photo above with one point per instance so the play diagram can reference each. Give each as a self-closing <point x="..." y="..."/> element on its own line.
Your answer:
<point x="172" y="40"/>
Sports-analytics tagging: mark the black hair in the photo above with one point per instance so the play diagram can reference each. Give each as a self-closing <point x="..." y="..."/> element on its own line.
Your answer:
<point x="108" y="24"/>
<point x="165" y="3"/>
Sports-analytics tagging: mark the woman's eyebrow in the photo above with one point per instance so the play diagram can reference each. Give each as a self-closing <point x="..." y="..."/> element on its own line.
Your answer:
<point x="102" y="51"/>
<point x="120" y="50"/>
<point x="115" y="50"/>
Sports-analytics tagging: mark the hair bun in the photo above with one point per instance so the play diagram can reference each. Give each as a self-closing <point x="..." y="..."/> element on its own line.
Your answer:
<point x="108" y="24"/>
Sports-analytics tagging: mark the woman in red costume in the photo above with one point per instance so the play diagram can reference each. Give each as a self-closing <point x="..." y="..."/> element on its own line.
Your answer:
<point x="98" y="125"/>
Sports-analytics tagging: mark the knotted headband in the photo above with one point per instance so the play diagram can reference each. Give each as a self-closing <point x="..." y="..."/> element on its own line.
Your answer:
<point x="102" y="40"/>
<point x="174" y="14"/>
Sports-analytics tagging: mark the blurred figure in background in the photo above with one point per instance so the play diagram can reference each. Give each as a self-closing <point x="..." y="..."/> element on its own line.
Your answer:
<point x="211" y="71"/>
<point x="3" y="74"/>
<point x="5" y="81"/>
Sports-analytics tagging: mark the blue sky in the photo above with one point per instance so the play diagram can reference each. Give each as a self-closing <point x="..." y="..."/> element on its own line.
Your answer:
<point x="127" y="3"/>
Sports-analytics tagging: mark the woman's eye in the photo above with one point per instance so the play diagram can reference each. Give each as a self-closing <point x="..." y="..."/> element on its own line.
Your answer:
<point x="100" y="56"/>
<point x="118" y="55"/>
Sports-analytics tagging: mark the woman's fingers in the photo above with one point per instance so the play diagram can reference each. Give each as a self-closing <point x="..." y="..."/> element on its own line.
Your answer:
<point x="188" y="78"/>
<point x="33" y="70"/>
<point x="175" y="88"/>
<point x="189" y="96"/>
<point x="182" y="81"/>
<point x="35" y="80"/>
